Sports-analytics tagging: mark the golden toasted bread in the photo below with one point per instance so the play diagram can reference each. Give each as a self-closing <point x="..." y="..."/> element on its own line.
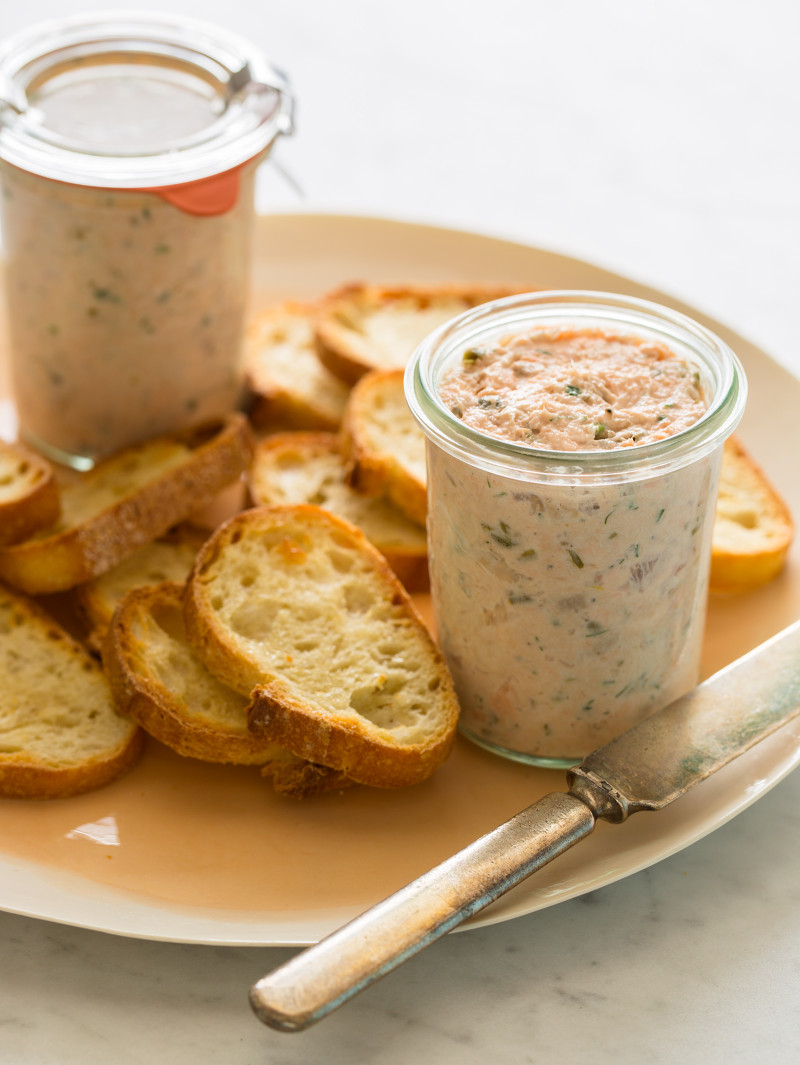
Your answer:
<point x="61" y="733"/>
<point x="291" y="388"/>
<point x="294" y="607"/>
<point x="170" y="558"/>
<point x="309" y="468"/>
<point x="383" y="446"/>
<point x="362" y="327"/>
<point x="158" y="680"/>
<point x="29" y="496"/>
<point x="753" y="528"/>
<point x="127" y="501"/>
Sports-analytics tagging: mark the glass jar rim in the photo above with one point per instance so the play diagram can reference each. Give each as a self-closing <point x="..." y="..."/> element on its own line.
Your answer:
<point x="255" y="98"/>
<point x="527" y="310"/>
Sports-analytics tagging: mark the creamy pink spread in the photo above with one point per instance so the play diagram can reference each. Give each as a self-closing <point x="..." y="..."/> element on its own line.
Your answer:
<point x="569" y="611"/>
<point x="575" y="390"/>
<point x="125" y="313"/>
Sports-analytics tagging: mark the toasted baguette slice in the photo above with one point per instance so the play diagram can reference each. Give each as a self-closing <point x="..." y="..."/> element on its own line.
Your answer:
<point x="753" y="528"/>
<point x="309" y="468"/>
<point x="60" y="733"/>
<point x="291" y="388"/>
<point x="295" y="606"/>
<point x="363" y="327"/>
<point x="170" y="558"/>
<point x="383" y="446"/>
<point x="158" y="680"/>
<point x="127" y="501"/>
<point x="29" y="497"/>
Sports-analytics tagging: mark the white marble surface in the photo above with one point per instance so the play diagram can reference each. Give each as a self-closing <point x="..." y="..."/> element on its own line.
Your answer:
<point x="659" y="139"/>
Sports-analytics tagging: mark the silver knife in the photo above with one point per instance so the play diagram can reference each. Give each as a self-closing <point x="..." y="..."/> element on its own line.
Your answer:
<point x="645" y="768"/>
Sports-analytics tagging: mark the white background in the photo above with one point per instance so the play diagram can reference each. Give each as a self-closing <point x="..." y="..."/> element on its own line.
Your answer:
<point x="658" y="139"/>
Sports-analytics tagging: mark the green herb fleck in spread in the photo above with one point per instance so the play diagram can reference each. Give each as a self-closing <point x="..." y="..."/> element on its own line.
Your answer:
<point x="501" y="534"/>
<point x="473" y="355"/>
<point x="105" y="295"/>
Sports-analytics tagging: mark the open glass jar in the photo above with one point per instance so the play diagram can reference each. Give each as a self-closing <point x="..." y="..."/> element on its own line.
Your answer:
<point x="128" y="150"/>
<point x="570" y="586"/>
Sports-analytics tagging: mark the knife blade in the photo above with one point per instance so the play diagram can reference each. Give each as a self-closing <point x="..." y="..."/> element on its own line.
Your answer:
<point x="645" y="768"/>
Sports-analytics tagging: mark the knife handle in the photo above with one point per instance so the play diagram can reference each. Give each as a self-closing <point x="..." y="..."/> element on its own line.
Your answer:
<point x="324" y="976"/>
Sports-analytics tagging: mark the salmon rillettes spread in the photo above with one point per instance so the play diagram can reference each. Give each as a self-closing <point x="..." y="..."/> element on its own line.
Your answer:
<point x="570" y="610"/>
<point x="575" y="390"/>
<point x="125" y="313"/>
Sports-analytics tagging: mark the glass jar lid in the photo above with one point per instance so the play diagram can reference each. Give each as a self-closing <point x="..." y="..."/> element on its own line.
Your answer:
<point x="136" y="101"/>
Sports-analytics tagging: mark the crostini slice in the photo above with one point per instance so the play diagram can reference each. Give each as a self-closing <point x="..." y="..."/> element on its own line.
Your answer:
<point x="127" y="501"/>
<point x="294" y="607"/>
<point x="60" y="731"/>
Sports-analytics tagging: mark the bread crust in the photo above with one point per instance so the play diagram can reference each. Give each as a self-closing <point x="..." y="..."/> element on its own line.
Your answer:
<point x="282" y="709"/>
<point x="335" y="741"/>
<point x="168" y="558"/>
<point x="140" y="693"/>
<point x="29" y="495"/>
<point x="753" y="527"/>
<point x="377" y="470"/>
<point x="339" y="325"/>
<point x="67" y="556"/>
<point x="295" y="778"/>
<point x="24" y="779"/>
<point x="404" y="546"/>
<point x="130" y="657"/>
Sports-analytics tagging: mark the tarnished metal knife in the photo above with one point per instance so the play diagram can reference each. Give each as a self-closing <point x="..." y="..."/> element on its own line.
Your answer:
<point x="646" y="768"/>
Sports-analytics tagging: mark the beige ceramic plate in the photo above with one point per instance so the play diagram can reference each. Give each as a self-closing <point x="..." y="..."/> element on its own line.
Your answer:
<point x="186" y="852"/>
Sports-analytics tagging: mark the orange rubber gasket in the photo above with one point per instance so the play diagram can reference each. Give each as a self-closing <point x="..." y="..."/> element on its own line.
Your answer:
<point x="208" y="196"/>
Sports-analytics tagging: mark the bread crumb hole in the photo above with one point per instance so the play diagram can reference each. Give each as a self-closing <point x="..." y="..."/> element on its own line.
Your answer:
<point x="254" y="618"/>
<point x="341" y="561"/>
<point x="378" y="702"/>
<point x="363" y="701"/>
<point x="748" y="519"/>
<point x="358" y="599"/>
